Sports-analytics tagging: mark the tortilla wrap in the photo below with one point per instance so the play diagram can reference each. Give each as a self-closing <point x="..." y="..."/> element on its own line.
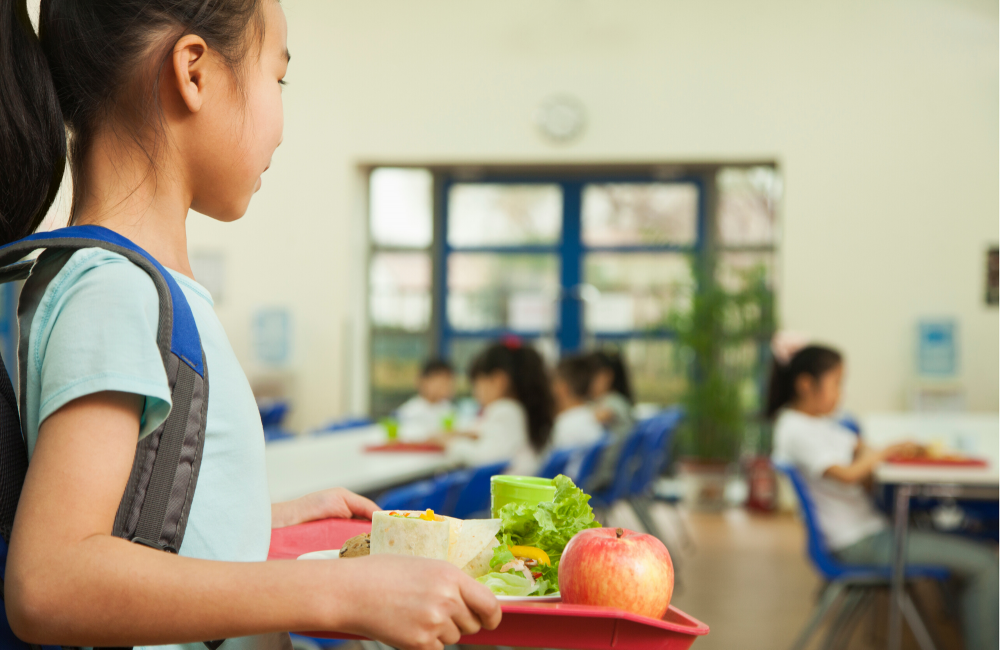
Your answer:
<point x="409" y="536"/>
<point x="467" y="544"/>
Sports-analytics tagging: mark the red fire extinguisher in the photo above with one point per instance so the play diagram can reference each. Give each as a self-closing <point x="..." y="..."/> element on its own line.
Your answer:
<point x="763" y="485"/>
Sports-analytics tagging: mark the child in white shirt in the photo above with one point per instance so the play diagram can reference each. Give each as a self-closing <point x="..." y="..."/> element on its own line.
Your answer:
<point x="575" y="424"/>
<point x="426" y="412"/>
<point x="835" y="464"/>
<point x="510" y="383"/>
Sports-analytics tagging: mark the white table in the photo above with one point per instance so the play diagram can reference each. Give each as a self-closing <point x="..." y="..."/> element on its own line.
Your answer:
<point x="975" y="435"/>
<point x="304" y="464"/>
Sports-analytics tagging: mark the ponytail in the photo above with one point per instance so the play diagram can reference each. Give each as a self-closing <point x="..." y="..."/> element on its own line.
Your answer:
<point x="529" y="384"/>
<point x="32" y="133"/>
<point x="812" y="360"/>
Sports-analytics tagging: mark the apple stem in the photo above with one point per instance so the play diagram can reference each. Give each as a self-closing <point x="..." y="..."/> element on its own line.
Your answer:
<point x="619" y="532"/>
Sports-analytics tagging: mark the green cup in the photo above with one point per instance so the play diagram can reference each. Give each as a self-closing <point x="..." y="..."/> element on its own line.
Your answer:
<point x="391" y="427"/>
<point x="506" y="489"/>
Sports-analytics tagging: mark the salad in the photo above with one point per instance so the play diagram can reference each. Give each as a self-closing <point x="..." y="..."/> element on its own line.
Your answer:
<point x="532" y="538"/>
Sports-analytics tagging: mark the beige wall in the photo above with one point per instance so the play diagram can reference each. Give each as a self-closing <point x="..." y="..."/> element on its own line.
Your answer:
<point x="881" y="113"/>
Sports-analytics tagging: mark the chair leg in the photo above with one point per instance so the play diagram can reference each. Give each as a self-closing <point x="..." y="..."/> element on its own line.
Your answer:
<point x="851" y="624"/>
<point x="683" y="532"/>
<point x="640" y="507"/>
<point x="844" y="615"/>
<point x="916" y="623"/>
<point x="827" y="599"/>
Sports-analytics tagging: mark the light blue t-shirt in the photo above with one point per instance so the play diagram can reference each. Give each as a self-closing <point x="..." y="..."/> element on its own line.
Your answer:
<point x="95" y="330"/>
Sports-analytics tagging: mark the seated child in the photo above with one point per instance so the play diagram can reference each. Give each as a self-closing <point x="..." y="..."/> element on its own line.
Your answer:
<point x="835" y="464"/>
<point x="426" y="412"/>
<point x="510" y="383"/>
<point x="575" y="423"/>
<point x="611" y="395"/>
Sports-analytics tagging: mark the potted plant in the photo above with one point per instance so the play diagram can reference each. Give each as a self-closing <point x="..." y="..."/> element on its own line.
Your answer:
<point x="721" y="337"/>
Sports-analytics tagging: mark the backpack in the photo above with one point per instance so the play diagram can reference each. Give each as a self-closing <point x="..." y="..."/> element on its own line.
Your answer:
<point x="154" y="509"/>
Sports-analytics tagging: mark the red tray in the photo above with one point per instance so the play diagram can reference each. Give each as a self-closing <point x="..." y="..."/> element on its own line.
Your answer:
<point x="541" y="625"/>
<point x="420" y="447"/>
<point x="940" y="462"/>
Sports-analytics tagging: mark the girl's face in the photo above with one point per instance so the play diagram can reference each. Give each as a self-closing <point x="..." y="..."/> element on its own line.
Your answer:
<point x="601" y="384"/>
<point x="240" y="126"/>
<point x="819" y="396"/>
<point x="488" y="388"/>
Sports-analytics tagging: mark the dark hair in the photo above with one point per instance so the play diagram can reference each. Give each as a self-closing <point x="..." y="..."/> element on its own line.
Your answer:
<point x="434" y="366"/>
<point x="612" y="360"/>
<point x="529" y="384"/>
<point x="577" y="372"/>
<point x="812" y="360"/>
<point x="93" y="65"/>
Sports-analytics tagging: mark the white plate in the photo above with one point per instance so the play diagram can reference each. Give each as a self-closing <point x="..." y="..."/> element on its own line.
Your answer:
<point x="551" y="598"/>
<point x="321" y="555"/>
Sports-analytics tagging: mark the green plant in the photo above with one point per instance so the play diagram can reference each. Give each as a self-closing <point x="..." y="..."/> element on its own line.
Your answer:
<point x="720" y="338"/>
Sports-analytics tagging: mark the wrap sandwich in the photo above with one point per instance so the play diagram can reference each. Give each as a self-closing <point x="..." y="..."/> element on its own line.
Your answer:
<point x="468" y="544"/>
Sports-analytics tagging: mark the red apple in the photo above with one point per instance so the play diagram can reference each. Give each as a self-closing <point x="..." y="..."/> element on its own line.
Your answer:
<point x="615" y="567"/>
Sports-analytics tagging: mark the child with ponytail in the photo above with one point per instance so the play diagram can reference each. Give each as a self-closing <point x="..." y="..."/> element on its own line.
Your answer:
<point x="511" y="384"/>
<point x="170" y="106"/>
<point x="804" y="393"/>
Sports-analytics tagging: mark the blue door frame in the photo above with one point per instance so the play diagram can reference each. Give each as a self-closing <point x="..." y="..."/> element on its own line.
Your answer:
<point x="571" y="252"/>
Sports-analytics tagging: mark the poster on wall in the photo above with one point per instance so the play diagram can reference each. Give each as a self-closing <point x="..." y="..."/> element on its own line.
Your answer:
<point x="992" y="270"/>
<point x="937" y="354"/>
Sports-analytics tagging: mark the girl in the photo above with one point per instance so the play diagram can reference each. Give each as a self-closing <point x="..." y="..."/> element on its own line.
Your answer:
<point x="804" y="393"/>
<point x="611" y="397"/>
<point x="171" y="105"/>
<point x="511" y="385"/>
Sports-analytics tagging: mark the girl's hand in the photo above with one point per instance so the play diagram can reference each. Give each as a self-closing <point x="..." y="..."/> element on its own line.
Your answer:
<point x="415" y="604"/>
<point x="335" y="503"/>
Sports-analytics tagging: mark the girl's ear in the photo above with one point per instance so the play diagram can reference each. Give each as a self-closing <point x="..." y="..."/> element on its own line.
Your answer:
<point x="804" y="385"/>
<point x="190" y="66"/>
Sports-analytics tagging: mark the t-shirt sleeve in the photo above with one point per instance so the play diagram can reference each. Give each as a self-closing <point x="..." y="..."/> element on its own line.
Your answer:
<point x="815" y="452"/>
<point x="95" y="330"/>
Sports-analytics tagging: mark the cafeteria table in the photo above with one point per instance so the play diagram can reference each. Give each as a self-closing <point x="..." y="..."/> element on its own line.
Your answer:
<point x="973" y="435"/>
<point x="308" y="463"/>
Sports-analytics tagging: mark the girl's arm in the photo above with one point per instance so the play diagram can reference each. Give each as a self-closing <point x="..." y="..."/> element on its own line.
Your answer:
<point x="866" y="459"/>
<point x="69" y="582"/>
<point x="336" y="503"/>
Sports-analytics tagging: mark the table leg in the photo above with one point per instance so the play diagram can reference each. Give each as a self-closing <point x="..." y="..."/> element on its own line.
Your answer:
<point x="901" y="516"/>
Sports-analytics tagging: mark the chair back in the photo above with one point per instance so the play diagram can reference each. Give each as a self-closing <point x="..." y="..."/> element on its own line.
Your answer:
<point x="816" y="548"/>
<point x="658" y="434"/>
<point x="629" y="461"/>
<point x="430" y="493"/>
<point x="590" y="463"/>
<point x="556" y="462"/>
<point x="343" y="425"/>
<point x="475" y="495"/>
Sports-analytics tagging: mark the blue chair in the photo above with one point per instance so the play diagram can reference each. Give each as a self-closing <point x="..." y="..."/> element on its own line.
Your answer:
<point x="657" y="438"/>
<point x="344" y="425"/>
<point x="430" y="493"/>
<point x="590" y="463"/>
<point x="556" y="462"/>
<point x="275" y="432"/>
<point x="855" y="583"/>
<point x="474" y="497"/>
<point x="272" y="414"/>
<point x="629" y="461"/>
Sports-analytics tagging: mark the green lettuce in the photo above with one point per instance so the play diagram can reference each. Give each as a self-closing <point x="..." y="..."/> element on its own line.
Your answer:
<point x="508" y="584"/>
<point x="548" y="526"/>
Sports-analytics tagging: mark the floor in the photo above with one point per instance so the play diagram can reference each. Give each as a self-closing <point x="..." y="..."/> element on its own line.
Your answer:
<point x="746" y="576"/>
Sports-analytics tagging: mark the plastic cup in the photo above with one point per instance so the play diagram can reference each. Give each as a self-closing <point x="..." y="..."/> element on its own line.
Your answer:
<point x="506" y="489"/>
<point x="391" y="427"/>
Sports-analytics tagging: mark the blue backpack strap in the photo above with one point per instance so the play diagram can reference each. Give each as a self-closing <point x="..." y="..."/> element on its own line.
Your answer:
<point x="158" y="495"/>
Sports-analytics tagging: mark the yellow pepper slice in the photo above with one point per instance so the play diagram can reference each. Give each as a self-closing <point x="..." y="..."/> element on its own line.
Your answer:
<point x="531" y="553"/>
<point x="428" y="515"/>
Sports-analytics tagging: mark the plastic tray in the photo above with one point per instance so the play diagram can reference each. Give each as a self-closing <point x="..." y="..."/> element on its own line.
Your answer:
<point x="940" y="462"/>
<point x="538" y="625"/>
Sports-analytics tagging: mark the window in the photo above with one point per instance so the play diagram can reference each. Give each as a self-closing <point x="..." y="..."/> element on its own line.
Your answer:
<point x="566" y="259"/>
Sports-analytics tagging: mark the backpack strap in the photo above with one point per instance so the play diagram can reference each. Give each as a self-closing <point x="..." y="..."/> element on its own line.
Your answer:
<point x="164" y="473"/>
